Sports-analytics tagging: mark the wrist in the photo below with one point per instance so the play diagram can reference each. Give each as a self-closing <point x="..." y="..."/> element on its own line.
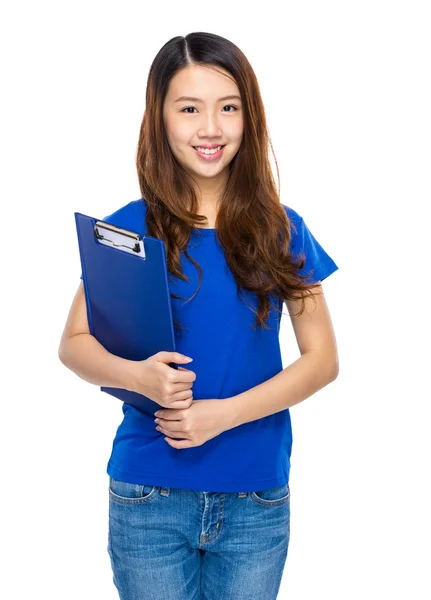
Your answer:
<point x="232" y="412"/>
<point x="130" y="375"/>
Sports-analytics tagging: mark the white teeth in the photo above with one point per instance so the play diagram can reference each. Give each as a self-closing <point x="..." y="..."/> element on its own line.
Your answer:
<point x="207" y="151"/>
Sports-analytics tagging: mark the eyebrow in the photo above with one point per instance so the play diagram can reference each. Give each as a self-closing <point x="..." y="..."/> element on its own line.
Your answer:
<point x="192" y="99"/>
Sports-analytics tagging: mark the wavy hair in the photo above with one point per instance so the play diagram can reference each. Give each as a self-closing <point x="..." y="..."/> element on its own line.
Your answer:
<point x="252" y="226"/>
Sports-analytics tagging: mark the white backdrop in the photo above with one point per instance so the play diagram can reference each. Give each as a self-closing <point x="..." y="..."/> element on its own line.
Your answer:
<point x="346" y="88"/>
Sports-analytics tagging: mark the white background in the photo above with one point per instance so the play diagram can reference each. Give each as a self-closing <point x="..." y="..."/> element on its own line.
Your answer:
<point x="346" y="86"/>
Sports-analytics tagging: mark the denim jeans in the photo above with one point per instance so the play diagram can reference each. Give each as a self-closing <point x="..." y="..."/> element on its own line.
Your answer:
<point x="176" y="544"/>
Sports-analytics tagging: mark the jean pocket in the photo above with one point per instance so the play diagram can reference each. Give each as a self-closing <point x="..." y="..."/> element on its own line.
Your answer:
<point x="131" y="493"/>
<point x="272" y="496"/>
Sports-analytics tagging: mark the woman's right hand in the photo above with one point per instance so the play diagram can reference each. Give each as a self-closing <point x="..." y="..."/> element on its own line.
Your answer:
<point x="169" y="387"/>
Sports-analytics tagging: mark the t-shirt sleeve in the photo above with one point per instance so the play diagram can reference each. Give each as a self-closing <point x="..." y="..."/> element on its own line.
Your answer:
<point x="318" y="263"/>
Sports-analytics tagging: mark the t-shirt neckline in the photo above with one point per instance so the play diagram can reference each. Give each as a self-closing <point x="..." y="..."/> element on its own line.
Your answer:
<point x="205" y="230"/>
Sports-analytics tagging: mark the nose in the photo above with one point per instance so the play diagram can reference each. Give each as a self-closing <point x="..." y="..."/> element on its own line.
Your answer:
<point x="210" y="126"/>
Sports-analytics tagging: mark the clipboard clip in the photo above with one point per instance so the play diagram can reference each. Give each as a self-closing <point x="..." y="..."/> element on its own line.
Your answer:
<point x="119" y="238"/>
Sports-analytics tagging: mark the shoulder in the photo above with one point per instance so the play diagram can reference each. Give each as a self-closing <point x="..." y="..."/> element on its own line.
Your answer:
<point x="130" y="216"/>
<point x="295" y="219"/>
<point x="292" y="214"/>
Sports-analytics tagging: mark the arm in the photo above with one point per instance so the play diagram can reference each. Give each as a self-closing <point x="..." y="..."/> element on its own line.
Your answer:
<point x="87" y="358"/>
<point x="80" y="352"/>
<point x="83" y="354"/>
<point x="317" y="366"/>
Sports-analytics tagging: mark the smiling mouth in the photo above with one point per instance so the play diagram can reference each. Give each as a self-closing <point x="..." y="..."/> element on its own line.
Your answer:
<point x="220" y="146"/>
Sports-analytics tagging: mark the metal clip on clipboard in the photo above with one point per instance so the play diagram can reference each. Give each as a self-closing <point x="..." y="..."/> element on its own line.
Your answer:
<point x="116" y="237"/>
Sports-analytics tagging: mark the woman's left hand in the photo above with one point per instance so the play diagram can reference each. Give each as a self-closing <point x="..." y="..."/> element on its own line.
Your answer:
<point x="203" y="420"/>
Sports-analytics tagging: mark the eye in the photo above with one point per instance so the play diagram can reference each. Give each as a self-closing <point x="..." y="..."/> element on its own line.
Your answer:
<point x="193" y="108"/>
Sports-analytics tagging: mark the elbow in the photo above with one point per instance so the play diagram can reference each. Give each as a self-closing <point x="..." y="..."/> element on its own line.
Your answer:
<point x="63" y="351"/>
<point x="333" y="365"/>
<point x="66" y="348"/>
<point x="61" y="354"/>
<point x="335" y="370"/>
<point x="329" y="366"/>
<point x="335" y="373"/>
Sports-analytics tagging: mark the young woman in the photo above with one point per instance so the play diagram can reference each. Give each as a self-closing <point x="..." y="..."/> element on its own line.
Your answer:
<point x="199" y="500"/>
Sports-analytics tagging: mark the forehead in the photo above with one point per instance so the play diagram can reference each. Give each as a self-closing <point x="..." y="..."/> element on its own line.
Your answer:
<point x="202" y="82"/>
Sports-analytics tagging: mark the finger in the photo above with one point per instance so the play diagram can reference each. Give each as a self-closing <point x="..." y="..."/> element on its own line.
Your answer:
<point x="186" y="376"/>
<point x="175" y="357"/>
<point x="170" y="414"/>
<point x="172" y="432"/>
<point x="165" y="422"/>
<point x="179" y="445"/>
<point x="182" y="391"/>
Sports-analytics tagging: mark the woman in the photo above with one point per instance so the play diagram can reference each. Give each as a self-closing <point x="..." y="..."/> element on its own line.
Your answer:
<point x="199" y="501"/>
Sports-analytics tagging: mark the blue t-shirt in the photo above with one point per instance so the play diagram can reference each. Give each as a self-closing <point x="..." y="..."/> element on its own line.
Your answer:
<point x="229" y="357"/>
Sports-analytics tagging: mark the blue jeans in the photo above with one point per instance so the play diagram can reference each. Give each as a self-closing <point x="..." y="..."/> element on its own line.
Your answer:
<point x="175" y="544"/>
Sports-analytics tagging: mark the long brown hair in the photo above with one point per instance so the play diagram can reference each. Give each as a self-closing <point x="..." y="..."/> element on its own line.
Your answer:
<point x="252" y="226"/>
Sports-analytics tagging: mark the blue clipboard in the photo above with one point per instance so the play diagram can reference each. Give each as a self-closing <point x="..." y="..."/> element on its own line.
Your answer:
<point x="127" y="296"/>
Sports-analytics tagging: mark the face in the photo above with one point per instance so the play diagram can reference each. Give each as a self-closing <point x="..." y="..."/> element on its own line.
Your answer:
<point x="208" y="120"/>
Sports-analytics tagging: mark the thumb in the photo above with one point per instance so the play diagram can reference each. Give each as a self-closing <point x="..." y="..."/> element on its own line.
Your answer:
<point x="173" y="357"/>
